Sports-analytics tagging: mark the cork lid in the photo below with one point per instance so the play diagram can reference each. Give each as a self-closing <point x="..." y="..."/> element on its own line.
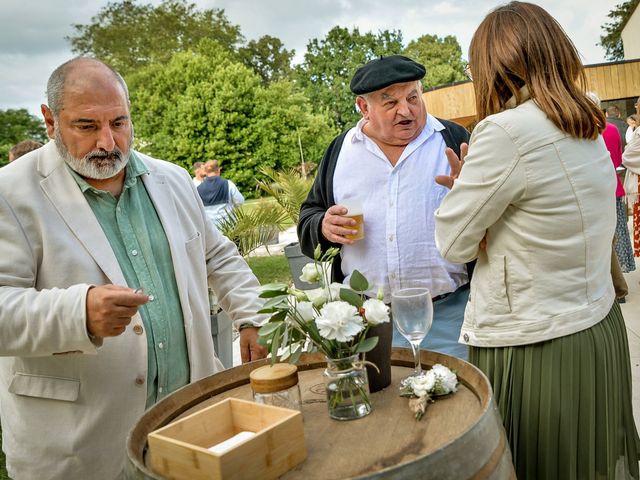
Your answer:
<point x="269" y="379"/>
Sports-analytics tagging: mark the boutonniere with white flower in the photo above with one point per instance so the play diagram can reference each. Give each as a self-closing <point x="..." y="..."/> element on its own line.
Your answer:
<point x="437" y="381"/>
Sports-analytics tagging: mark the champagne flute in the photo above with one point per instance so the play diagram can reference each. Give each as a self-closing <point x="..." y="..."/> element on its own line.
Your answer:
<point x="412" y="312"/>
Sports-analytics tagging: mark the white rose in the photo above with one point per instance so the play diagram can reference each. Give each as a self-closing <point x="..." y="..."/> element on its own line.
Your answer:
<point x="305" y="311"/>
<point x="317" y="296"/>
<point x="375" y="311"/>
<point x="446" y="380"/>
<point x="339" y="321"/>
<point x="311" y="273"/>
<point x="423" y="384"/>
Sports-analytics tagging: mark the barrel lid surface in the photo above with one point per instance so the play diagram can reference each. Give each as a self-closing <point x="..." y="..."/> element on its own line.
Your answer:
<point x="457" y="432"/>
<point x="273" y="378"/>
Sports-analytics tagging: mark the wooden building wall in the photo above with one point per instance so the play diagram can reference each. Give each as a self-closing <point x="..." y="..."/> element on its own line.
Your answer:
<point x="611" y="81"/>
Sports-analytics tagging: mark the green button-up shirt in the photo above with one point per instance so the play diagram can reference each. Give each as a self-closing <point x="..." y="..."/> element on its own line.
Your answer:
<point x="140" y="245"/>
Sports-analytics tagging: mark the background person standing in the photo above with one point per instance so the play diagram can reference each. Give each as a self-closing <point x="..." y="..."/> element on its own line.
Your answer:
<point x="219" y="195"/>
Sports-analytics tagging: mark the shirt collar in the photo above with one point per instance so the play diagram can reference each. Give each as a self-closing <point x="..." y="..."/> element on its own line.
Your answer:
<point x="524" y="96"/>
<point x="431" y="126"/>
<point x="135" y="168"/>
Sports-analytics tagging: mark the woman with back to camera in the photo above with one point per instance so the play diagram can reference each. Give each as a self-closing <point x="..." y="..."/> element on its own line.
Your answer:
<point x="535" y="204"/>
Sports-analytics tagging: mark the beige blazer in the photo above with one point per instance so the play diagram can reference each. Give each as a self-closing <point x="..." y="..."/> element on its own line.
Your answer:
<point x="546" y="203"/>
<point x="65" y="405"/>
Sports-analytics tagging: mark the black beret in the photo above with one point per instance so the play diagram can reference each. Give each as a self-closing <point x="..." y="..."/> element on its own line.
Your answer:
<point x="385" y="71"/>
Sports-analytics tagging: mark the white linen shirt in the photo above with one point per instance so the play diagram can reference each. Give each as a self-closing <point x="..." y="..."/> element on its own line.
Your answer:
<point x="398" y="205"/>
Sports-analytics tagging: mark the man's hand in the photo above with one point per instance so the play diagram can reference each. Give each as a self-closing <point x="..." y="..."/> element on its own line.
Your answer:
<point x="456" y="165"/>
<point x="335" y="226"/>
<point x="110" y="308"/>
<point x="250" y="350"/>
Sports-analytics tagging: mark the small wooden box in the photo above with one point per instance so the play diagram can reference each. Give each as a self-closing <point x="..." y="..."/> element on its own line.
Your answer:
<point x="180" y="450"/>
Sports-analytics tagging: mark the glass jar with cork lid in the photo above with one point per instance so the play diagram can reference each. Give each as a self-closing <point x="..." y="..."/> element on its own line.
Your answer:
<point x="276" y="385"/>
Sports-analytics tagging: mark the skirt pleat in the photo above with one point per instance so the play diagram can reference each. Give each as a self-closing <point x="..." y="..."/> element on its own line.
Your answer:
<point x="566" y="403"/>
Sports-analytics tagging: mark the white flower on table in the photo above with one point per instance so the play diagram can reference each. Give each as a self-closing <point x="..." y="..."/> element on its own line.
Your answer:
<point x="311" y="273"/>
<point x="375" y="311"/>
<point x="339" y="321"/>
<point x="445" y="381"/>
<point x="422" y="385"/>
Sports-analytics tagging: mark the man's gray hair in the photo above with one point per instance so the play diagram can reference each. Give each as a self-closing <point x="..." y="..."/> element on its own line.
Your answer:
<point x="55" y="85"/>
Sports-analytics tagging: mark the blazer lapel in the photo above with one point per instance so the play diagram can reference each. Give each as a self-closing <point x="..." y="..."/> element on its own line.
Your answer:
<point x="63" y="192"/>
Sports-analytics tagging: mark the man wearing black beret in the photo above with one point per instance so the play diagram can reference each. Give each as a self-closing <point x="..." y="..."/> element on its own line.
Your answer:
<point x="388" y="162"/>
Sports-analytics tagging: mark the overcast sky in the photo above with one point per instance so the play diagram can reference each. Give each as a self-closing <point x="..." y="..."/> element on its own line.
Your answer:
<point x="32" y="32"/>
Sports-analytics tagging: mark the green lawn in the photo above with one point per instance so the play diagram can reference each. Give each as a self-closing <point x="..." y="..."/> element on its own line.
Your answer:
<point x="3" y="471"/>
<point x="269" y="269"/>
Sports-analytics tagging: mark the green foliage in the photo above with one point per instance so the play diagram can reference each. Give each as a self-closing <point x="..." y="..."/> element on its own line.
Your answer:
<point x="270" y="269"/>
<point x="611" y="40"/>
<point x="268" y="57"/>
<point x="17" y="125"/>
<point x="205" y="104"/>
<point x="252" y="228"/>
<point x="289" y="188"/>
<point x="441" y="56"/>
<point x="129" y="36"/>
<point x="330" y="63"/>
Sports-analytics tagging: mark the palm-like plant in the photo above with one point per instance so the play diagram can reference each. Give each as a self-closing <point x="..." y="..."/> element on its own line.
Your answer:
<point x="289" y="188"/>
<point x="250" y="228"/>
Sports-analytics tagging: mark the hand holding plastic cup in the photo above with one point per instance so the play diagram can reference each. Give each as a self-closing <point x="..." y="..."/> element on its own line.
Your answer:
<point x="355" y="211"/>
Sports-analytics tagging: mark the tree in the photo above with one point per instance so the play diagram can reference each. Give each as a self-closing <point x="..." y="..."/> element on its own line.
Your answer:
<point x="611" y="41"/>
<point x="330" y="63"/>
<point x="268" y="57"/>
<point x="205" y="104"/>
<point x="442" y="58"/>
<point x="17" y="125"/>
<point x="128" y="35"/>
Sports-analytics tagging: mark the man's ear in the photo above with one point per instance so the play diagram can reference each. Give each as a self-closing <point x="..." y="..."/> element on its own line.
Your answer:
<point x="48" y="120"/>
<point x="363" y="107"/>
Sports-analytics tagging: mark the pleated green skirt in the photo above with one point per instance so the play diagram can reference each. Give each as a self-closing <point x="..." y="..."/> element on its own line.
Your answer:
<point x="566" y="403"/>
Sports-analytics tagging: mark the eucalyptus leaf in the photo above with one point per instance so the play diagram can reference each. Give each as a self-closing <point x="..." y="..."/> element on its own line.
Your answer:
<point x="351" y="297"/>
<point x="279" y="301"/>
<point x="295" y="356"/>
<point x="367" y="345"/>
<point x="268" y="328"/>
<point x="358" y="282"/>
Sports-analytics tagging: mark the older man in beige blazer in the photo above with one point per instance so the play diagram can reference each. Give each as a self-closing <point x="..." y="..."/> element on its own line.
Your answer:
<point x="75" y="356"/>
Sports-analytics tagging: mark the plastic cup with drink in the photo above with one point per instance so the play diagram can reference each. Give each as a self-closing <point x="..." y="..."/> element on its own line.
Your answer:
<point x="355" y="211"/>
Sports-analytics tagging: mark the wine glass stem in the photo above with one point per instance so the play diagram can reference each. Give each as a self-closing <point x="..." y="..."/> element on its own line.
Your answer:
<point x="415" y="346"/>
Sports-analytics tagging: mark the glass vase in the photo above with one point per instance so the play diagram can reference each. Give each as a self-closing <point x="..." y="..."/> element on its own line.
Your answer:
<point x="347" y="388"/>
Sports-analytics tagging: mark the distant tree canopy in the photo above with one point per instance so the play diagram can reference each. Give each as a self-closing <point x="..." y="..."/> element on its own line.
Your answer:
<point x="611" y="40"/>
<point x="330" y="63"/>
<point x="17" y="125"/>
<point x="441" y="56"/>
<point x="205" y="104"/>
<point x="268" y="57"/>
<point x="199" y="90"/>
<point x="129" y="36"/>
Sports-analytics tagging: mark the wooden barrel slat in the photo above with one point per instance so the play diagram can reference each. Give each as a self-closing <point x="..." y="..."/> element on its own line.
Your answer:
<point x="460" y="437"/>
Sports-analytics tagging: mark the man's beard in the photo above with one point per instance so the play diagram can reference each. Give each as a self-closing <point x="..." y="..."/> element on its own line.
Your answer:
<point x="97" y="164"/>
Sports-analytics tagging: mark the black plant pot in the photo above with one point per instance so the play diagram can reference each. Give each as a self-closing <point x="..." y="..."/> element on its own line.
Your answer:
<point x="380" y="356"/>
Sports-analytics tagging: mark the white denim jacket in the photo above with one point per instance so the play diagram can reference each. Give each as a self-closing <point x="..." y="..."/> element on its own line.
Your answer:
<point x="546" y="204"/>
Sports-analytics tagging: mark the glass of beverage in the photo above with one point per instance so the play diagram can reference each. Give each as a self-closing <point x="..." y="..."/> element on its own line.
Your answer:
<point x="355" y="211"/>
<point x="412" y="312"/>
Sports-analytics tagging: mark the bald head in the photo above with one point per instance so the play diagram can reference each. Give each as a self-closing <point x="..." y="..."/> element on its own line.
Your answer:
<point x="80" y="73"/>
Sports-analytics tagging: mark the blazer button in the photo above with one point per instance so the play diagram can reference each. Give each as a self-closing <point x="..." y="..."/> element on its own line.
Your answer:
<point x="140" y="381"/>
<point x="137" y="329"/>
<point x="466" y="338"/>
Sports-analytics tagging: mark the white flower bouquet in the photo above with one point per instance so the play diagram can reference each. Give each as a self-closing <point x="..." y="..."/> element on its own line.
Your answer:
<point x="421" y="389"/>
<point x="333" y="319"/>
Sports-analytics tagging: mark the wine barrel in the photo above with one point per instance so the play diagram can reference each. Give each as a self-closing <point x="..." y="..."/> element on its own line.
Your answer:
<point x="460" y="437"/>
